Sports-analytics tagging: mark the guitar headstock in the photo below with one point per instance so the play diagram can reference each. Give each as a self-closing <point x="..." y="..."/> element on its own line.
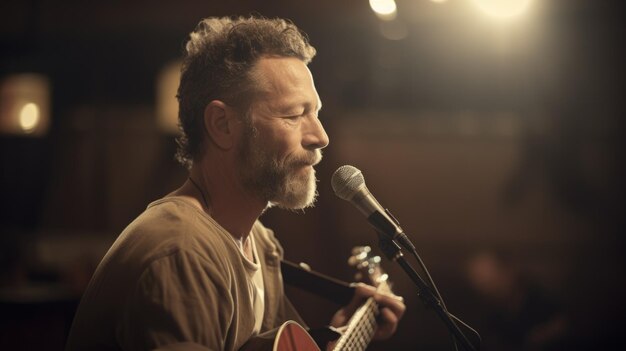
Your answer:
<point x="368" y="268"/>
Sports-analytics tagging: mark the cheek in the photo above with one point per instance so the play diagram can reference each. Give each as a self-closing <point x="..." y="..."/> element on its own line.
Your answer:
<point x="281" y="142"/>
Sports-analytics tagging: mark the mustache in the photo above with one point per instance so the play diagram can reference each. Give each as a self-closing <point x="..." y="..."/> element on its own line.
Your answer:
<point x="309" y="158"/>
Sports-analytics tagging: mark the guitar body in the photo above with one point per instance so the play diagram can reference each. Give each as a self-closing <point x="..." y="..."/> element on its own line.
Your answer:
<point x="357" y="333"/>
<point x="292" y="337"/>
<point x="289" y="337"/>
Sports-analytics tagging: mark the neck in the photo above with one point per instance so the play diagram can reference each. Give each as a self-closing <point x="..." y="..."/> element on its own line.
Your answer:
<point x="220" y="194"/>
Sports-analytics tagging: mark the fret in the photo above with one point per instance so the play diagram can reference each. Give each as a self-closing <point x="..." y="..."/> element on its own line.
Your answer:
<point x="362" y="326"/>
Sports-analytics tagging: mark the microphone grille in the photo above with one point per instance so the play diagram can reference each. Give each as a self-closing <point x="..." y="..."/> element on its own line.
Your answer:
<point x="346" y="181"/>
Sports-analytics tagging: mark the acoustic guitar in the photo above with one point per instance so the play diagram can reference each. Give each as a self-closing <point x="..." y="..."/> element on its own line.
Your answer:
<point x="357" y="333"/>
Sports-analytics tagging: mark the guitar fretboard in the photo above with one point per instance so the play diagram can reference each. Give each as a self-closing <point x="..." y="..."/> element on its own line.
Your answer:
<point x="362" y="326"/>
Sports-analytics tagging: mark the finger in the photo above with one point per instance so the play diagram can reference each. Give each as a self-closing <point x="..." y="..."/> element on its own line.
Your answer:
<point x="388" y="317"/>
<point x="363" y="290"/>
<point x="392" y="302"/>
<point x="361" y="293"/>
<point x="387" y="324"/>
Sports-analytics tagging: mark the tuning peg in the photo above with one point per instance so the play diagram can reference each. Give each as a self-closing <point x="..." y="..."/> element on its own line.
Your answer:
<point x="374" y="260"/>
<point x="360" y="249"/>
<point x="357" y="262"/>
<point x="359" y="254"/>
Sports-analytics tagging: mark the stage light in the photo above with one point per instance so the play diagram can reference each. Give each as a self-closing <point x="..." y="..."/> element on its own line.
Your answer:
<point x="24" y="104"/>
<point x="503" y="8"/>
<point x="384" y="9"/>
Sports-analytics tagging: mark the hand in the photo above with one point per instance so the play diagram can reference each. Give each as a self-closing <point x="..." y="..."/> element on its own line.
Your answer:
<point x="391" y="309"/>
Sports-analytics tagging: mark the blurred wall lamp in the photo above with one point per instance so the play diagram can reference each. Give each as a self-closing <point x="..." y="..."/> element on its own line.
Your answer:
<point x="167" y="104"/>
<point x="386" y="10"/>
<point x="25" y="104"/>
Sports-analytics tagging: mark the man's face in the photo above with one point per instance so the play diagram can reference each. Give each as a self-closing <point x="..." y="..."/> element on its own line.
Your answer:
<point x="283" y="137"/>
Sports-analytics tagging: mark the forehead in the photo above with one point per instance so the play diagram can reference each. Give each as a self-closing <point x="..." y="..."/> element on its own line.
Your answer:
<point x="285" y="80"/>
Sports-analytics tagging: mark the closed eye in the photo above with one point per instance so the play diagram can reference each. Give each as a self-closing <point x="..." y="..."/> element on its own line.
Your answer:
<point x="293" y="117"/>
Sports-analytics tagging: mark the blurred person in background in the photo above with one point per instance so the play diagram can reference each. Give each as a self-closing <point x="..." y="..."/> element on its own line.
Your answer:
<point x="520" y="315"/>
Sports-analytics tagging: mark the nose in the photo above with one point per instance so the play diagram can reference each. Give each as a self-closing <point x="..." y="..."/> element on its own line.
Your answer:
<point x="314" y="136"/>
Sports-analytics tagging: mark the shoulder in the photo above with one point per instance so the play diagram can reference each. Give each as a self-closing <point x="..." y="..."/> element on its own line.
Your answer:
<point x="167" y="217"/>
<point x="169" y="226"/>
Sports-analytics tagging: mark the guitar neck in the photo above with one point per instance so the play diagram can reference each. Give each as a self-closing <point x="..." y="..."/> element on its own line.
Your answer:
<point x="361" y="327"/>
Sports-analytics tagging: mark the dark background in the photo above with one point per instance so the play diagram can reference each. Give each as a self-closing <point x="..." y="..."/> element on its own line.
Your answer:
<point x="478" y="134"/>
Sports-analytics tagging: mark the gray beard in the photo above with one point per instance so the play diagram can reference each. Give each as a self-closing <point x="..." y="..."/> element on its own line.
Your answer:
<point x="275" y="182"/>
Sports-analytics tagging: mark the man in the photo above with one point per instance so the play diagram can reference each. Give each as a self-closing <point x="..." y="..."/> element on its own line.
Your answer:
<point x="197" y="270"/>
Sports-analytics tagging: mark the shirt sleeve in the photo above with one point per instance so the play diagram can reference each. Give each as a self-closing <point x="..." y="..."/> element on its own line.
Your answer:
<point x="180" y="300"/>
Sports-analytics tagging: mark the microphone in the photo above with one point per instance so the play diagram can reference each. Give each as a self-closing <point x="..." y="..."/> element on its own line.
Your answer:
<point x="349" y="184"/>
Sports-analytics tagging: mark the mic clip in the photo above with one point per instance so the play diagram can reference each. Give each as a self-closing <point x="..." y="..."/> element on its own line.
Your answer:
<point x="402" y="238"/>
<point x="392" y="216"/>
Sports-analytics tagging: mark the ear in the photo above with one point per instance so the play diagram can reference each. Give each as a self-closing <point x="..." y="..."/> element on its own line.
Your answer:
<point x="220" y="124"/>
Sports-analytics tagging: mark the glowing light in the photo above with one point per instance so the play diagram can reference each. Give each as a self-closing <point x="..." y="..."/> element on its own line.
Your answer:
<point x="503" y="8"/>
<point x="438" y="1"/>
<point x="24" y="104"/>
<point x="167" y="104"/>
<point x="29" y="117"/>
<point x="384" y="9"/>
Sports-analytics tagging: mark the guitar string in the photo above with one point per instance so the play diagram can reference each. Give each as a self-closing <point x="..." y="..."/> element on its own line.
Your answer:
<point x="355" y="334"/>
<point x="362" y="337"/>
<point x="363" y="328"/>
<point x="362" y="325"/>
<point x="370" y="311"/>
<point x="346" y="341"/>
<point x="353" y="330"/>
<point x="366" y="333"/>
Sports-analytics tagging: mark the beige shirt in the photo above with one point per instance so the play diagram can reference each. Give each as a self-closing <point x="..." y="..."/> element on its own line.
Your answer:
<point x="175" y="280"/>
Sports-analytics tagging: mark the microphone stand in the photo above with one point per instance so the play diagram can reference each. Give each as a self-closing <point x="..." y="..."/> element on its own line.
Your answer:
<point x="393" y="252"/>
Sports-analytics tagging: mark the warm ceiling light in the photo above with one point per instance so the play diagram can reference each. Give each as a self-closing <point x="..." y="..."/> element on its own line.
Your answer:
<point x="503" y="8"/>
<point x="384" y="9"/>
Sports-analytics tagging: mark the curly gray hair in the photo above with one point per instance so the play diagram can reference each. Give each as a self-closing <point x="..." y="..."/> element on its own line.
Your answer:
<point x="217" y="63"/>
